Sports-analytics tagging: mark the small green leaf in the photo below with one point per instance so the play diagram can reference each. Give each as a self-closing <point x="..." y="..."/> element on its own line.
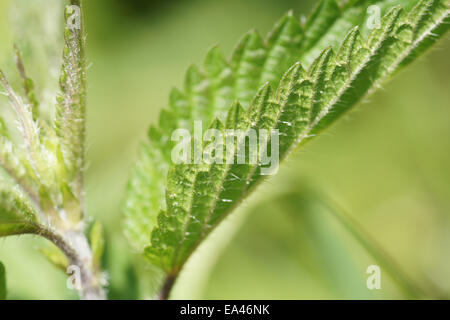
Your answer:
<point x="97" y="244"/>
<point x="55" y="256"/>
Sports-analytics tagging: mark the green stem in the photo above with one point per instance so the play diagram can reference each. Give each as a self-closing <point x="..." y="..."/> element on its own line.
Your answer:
<point x="408" y="286"/>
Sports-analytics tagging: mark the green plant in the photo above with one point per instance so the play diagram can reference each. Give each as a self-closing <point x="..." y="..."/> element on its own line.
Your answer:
<point x="198" y="197"/>
<point x="43" y="191"/>
<point x="320" y="69"/>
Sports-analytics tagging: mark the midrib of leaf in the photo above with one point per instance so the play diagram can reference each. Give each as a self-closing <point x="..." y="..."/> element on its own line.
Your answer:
<point x="183" y="110"/>
<point x="374" y="52"/>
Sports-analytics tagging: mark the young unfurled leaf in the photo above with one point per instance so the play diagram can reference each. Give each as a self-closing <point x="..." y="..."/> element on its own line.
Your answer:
<point x="199" y="196"/>
<point x="71" y="103"/>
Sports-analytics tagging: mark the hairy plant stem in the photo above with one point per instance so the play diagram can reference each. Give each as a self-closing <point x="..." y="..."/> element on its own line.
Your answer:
<point x="76" y="248"/>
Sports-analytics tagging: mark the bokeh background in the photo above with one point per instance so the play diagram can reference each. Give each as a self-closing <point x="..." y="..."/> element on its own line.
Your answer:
<point x="387" y="165"/>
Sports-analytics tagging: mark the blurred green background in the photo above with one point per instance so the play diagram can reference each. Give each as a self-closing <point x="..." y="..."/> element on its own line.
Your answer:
<point x="387" y="164"/>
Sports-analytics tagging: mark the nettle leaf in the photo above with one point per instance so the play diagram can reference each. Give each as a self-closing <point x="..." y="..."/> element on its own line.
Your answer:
<point x="210" y="90"/>
<point x="307" y="100"/>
